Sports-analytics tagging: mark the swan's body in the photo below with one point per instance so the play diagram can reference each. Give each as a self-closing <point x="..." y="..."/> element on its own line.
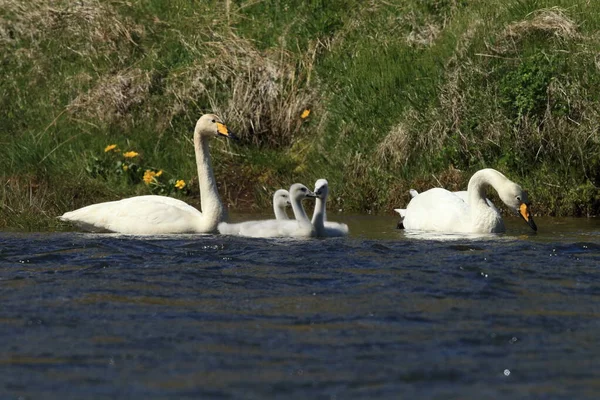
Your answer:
<point x="463" y="195"/>
<point x="298" y="228"/>
<point x="443" y="211"/>
<point x="324" y="228"/>
<point x="161" y="214"/>
<point x="281" y="199"/>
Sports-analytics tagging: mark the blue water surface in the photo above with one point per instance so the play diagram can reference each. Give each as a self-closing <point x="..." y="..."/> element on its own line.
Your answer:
<point x="380" y="314"/>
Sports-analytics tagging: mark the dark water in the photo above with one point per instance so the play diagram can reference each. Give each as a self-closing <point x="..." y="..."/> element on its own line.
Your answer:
<point x="381" y="314"/>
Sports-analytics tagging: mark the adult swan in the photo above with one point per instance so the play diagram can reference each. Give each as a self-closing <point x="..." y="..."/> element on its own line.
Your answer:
<point x="443" y="211"/>
<point x="161" y="214"/>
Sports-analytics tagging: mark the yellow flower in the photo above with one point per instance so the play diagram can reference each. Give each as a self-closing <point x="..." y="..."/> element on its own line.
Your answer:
<point x="110" y="147"/>
<point x="125" y="167"/>
<point x="180" y="184"/>
<point x="159" y="173"/>
<point x="130" y="154"/>
<point x="305" y="114"/>
<point x="149" y="177"/>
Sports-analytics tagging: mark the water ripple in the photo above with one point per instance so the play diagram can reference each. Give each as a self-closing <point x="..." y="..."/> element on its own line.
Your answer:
<point x="112" y="316"/>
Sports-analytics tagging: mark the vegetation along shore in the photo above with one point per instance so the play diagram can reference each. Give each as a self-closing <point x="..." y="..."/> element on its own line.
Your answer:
<point x="99" y="100"/>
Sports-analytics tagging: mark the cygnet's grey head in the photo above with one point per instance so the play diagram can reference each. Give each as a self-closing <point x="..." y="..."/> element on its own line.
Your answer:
<point x="321" y="188"/>
<point x="210" y="125"/>
<point x="299" y="191"/>
<point x="516" y="198"/>
<point x="281" y="198"/>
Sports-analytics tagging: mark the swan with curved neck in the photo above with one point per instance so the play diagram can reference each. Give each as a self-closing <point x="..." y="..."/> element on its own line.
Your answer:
<point x="160" y="214"/>
<point x="299" y="227"/>
<point x="443" y="211"/>
<point x="324" y="228"/>
<point x="463" y="194"/>
<point x="281" y="199"/>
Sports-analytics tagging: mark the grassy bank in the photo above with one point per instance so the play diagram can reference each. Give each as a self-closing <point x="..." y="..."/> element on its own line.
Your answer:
<point x="401" y="94"/>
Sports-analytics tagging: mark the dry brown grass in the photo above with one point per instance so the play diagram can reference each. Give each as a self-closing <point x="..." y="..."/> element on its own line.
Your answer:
<point x="94" y="24"/>
<point x="395" y="148"/>
<point x="552" y="22"/>
<point x="113" y="96"/>
<point x="424" y="35"/>
<point x="265" y="92"/>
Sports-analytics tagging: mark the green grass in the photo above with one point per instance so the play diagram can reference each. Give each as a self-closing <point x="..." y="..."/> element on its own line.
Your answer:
<point x="402" y="94"/>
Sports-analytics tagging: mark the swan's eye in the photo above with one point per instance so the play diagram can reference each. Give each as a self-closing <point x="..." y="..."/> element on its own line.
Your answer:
<point x="213" y="121"/>
<point x="519" y="198"/>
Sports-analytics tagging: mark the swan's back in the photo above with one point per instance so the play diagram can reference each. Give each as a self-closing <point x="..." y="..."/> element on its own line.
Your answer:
<point x="270" y="228"/>
<point x="444" y="211"/>
<point x="464" y="195"/>
<point x="333" y="229"/>
<point x="137" y="215"/>
<point x="437" y="210"/>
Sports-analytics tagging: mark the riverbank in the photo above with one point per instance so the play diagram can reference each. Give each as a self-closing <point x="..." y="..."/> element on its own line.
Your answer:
<point x="376" y="97"/>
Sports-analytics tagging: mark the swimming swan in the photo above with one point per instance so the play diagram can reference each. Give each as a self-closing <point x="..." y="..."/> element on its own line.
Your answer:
<point x="298" y="228"/>
<point x="463" y="194"/>
<point x="160" y="214"/>
<point x="443" y="211"/>
<point x="324" y="228"/>
<point x="281" y="199"/>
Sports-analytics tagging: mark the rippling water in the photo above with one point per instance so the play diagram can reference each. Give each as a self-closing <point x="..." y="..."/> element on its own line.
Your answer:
<point x="381" y="314"/>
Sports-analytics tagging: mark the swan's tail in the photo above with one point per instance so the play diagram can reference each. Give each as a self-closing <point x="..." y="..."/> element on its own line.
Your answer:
<point x="402" y="212"/>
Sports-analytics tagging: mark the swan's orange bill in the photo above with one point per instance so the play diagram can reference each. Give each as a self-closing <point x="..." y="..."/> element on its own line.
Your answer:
<point x="524" y="212"/>
<point x="222" y="129"/>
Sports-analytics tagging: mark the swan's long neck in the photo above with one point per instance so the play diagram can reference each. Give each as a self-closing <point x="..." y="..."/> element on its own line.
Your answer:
<point x="479" y="183"/>
<point x="279" y="211"/>
<point x="318" y="218"/>
<point x="299" y="212"/>
<point x="211" y="207"/>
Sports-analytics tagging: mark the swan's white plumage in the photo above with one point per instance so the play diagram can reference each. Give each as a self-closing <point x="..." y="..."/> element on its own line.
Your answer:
<point x="463" y="194"/>
<point x="137" y="215"/>
<point x="324" y="228"/>
<point x="281" y="199"/>
<point x="161" y="214"/>
<point x="295" y="228"/>
<point x="443" y="211"/>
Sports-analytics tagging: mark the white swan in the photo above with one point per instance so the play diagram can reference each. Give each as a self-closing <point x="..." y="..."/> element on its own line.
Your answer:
<point x="298" y="228"/>
<point x="463" y="194"/>
<point x="160" y="214"/>
<point x="281" y="199"/>
<point x="324" y="228"/>
<point x="443" y="211"/>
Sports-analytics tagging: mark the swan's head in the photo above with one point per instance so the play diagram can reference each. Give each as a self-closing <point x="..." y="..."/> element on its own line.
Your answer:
<point x="321" y="188"/>
<point x="210" y="125"/>
<point x="299" y="192"/>
<point x="281" y="198"/>
<point x="516" y="198"/>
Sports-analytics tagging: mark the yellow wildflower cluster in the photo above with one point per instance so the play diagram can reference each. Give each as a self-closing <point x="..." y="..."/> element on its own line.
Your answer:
<point x="150" y="176"/>
<point x="130" y="154"/>
<point x="129" y="168"/>
<point x="305" y="114"/>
